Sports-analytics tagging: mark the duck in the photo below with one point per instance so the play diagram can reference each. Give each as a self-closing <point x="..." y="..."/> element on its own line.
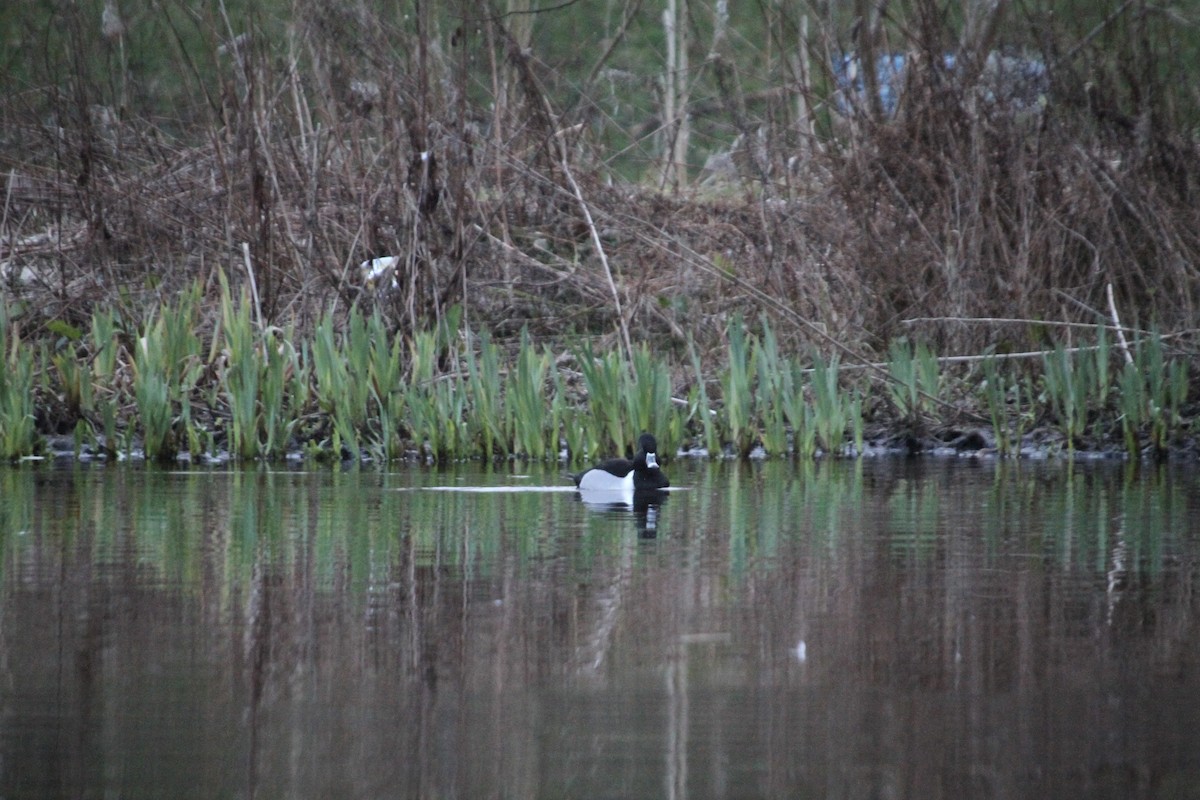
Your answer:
<point x="623" y="475"/>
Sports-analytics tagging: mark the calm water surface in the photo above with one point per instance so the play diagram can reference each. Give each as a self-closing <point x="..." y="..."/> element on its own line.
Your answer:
<point x="883" y="629"/>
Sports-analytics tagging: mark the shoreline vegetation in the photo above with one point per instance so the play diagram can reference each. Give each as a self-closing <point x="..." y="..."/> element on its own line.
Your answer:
<point x="294" y="231"/>
<point x="157" y="390"/>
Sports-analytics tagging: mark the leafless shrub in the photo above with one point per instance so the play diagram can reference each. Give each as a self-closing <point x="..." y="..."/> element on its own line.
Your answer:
<point x="362" y="134"/>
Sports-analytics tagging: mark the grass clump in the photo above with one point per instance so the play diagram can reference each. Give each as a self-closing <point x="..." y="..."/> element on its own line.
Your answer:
<point x="265" y="381"/>
<point x="533" y="435"/>
<point x="1068" y="381"/>
<point x="166" y="367"/>
<point x="489" y="418"/>
<point x="18" y="435"/>
<point x="832" y="409"/>
<point x="916" y="380"/>
<point x="737" y="390"/>
<point x="1154" y="392"/>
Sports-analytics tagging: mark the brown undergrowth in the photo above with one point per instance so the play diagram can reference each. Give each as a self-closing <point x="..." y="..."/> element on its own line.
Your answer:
<point x="937" y="220"/>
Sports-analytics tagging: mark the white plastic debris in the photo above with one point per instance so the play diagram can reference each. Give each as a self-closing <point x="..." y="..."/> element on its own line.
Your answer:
<point x="378" y="272"/>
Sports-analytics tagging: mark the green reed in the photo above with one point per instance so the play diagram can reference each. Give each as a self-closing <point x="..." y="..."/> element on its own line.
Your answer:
<point x="391" y="436"/>
<point x="995" y="388"/>
<point x="185" y="360"/>
<point x="1132" y="388"/>
<point x="385" y="377"/>
<point x="435" y="405"/>
<point x="774" y="385"/>
<point x="573" y="422"/>
<point x="1067" y="381"/>
<point x="526" y="392"/>
<point x="1079" y="385"/>
<point x="624" y="398"/>
<point x="104" y="333"/>
<point x="166" y="367"/>
<point x="1101" y="372"/>
<point x="832" y="408"/>
<point x="18" y="433"/>
<point x="358" y="350"/>
<point x="421" y="415"/>
<point x="916" y="379"/>
<point x="604" y="378"/>
<point x="903" y="388"/>
<point x="1161" y="392"/>
<point x="647" y="393"/>
<point x="737" y="384"/>
<point x="487" y="418"/>
<point x="857" y="422"/>
<point x="73" y="380"/>
<point x="1169" y="403"/>
<point x="420" y="404"/>
<point x="286" y="386"/>
<point x="152" y="392"/>
<point x="701" y="407"/>
<point x="457" y="396"/>
<point x="450" y="398"/>
<point x="435" y="402"/>
<point x="799" y="412"/>
<point x="176" y="335"/>
<point x="338" y="385"/>
<point x="241" y="374"/>
<point x="264" y="379"/>
<point x="105" y="347"/>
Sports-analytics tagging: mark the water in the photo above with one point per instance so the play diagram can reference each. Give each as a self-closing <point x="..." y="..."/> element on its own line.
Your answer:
<point x="882" y="629"/>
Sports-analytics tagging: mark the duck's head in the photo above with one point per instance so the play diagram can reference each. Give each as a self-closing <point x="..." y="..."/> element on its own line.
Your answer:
<point x="647" y="474"/>
<point x="647" y="452"/>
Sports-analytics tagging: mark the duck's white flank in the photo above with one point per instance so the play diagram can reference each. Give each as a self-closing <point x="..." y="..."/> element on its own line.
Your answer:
<point x="598" y="480"/>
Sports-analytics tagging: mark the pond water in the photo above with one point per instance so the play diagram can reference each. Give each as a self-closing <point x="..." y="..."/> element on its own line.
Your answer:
<point x="887" y="628"/>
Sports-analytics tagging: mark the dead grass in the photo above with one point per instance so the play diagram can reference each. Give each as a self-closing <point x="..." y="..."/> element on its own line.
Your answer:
<point x="362" y="140"/>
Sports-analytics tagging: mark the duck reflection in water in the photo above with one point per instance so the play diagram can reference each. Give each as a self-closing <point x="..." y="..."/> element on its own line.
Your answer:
<point x="642" y="504"/>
